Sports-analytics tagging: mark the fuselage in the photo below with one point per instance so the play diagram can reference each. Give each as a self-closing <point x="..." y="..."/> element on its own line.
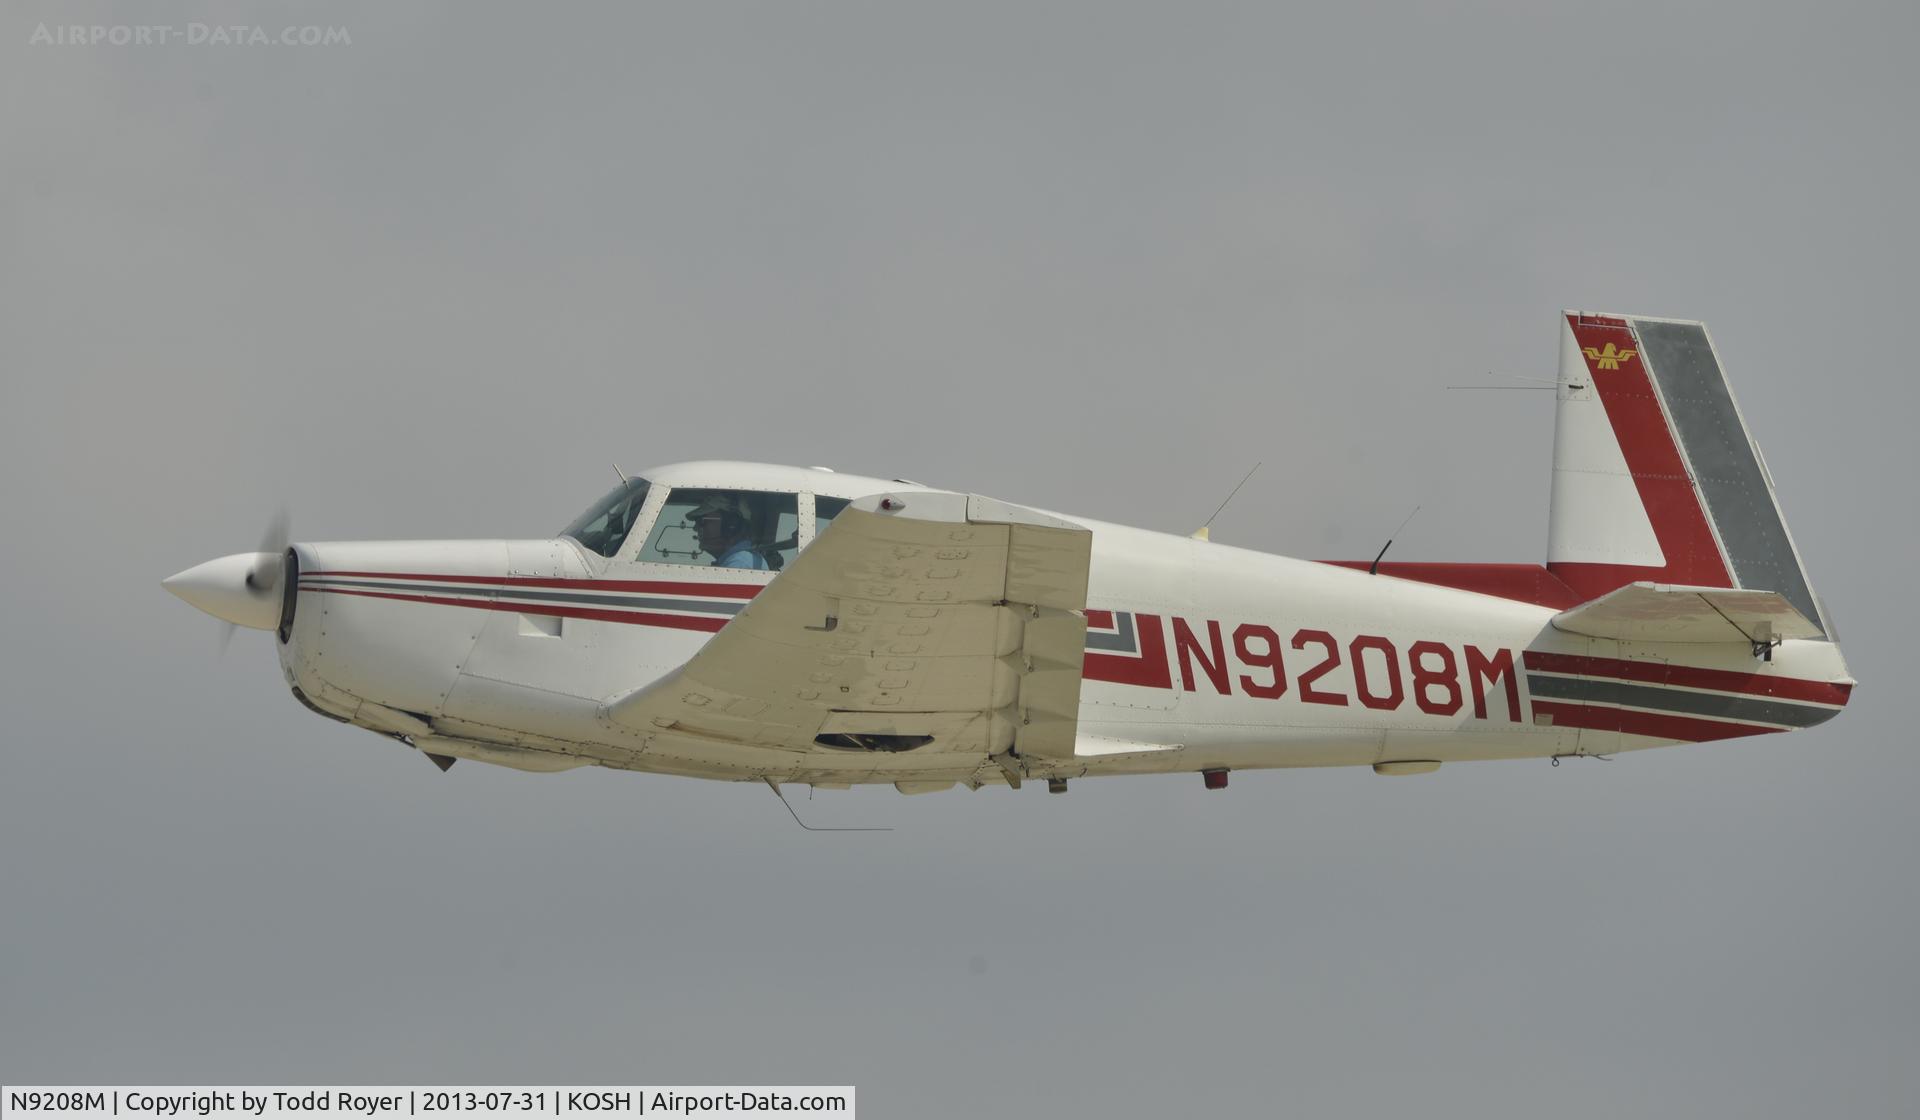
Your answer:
<point x="1199" y="656"/>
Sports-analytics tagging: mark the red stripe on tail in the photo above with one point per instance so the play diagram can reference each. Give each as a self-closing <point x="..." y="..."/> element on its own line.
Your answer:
<point x="1659" y="470"/>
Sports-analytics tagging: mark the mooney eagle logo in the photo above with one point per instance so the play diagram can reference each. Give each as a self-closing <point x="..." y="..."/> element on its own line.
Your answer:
<point x="1608" y="357"/>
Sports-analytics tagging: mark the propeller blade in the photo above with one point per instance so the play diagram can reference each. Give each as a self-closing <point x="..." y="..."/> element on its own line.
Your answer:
<point x="265" y="576"/>
<point x="277" y="530"/>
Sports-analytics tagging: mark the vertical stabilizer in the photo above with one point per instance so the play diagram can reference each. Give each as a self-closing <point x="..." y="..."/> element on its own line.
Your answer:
<point x="1654" y="475"/>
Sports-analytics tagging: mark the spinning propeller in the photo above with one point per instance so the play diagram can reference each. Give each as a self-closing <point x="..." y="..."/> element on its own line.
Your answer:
<point x="240" y="590"/>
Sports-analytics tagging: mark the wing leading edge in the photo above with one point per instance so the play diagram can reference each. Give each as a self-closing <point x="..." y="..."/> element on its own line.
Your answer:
<point x="928" y="621"/>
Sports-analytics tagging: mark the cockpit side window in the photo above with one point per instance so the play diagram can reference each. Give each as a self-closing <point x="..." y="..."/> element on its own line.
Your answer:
<point x="748" y="529"/>
<point x="825" y="509"/>
<point x="604" y="527"/>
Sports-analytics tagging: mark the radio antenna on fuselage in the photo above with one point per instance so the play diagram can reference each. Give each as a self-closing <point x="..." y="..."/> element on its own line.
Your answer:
<point x="1373" y="569"/>
<point x="775" y="787"/>
<point x="1204" y="532"/>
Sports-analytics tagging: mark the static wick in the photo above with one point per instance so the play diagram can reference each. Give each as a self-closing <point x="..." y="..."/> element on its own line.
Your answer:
<point x="775" y="787"/>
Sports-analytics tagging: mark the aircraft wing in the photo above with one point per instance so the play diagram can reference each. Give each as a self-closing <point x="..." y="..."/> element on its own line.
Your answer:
<point x="1660" y="612"/>
<point x="928" y="621"/>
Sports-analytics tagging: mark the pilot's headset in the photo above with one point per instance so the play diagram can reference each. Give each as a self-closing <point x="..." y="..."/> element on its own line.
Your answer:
<point x="735" y="519"/>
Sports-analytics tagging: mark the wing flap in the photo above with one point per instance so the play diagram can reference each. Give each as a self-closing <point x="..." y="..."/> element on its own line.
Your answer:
<point x="1097" y="746"/>
<point x="938" y="616"/>
<point x="1659" y="612"/>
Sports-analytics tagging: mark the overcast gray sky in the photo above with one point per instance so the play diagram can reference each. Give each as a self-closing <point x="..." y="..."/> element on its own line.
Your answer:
<point x="1093" y="257"/>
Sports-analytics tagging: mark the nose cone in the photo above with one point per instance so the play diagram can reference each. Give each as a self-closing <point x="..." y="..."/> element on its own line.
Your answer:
<point x="243" y="589"/>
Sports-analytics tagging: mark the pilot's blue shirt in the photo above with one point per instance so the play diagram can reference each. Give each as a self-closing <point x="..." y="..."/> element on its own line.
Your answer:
<point x="740" y="554"/>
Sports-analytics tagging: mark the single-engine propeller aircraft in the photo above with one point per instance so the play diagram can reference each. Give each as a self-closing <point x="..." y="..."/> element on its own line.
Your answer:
<point x="745" y="622"/>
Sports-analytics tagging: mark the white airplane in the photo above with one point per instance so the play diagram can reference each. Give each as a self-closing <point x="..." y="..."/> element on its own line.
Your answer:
<point x="744" y="622"/>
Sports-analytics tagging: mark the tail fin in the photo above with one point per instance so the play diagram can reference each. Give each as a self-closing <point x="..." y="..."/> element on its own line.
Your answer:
<point x="1654" y="475"/>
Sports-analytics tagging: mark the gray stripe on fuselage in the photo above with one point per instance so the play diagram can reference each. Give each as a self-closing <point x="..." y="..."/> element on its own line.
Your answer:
<point x="1725" y="466"/>
<point x="1677" y="701"/>
<point x="471" y="591"/>
<point x="1122" y="642"/>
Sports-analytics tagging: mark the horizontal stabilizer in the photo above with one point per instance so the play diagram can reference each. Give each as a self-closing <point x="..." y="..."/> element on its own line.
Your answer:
<point x="1663" y="612"/>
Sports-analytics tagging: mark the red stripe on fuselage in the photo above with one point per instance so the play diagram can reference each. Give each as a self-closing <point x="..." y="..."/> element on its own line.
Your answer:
<point x="1659" y="473"/>
<point x="663" y="587"/>
<point x="631" y="618"/>
<point x="1685" y="729"/>
<point x="1660" y="672"/>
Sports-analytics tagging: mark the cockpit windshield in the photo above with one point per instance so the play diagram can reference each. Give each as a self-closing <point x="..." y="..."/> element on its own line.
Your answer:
<point x="604" y="527"/>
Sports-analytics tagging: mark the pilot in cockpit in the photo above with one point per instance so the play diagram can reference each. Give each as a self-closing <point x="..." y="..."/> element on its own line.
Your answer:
<point x="724" y="532"/>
